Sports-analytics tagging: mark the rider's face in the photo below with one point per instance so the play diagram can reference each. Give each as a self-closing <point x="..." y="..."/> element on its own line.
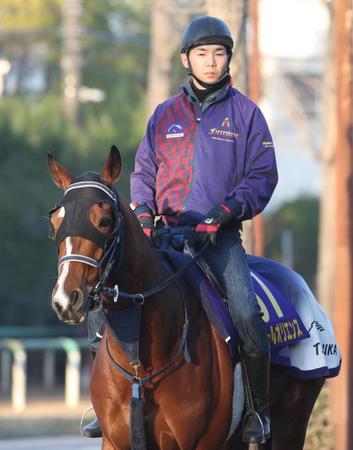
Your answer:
<point x="208" y="62"/>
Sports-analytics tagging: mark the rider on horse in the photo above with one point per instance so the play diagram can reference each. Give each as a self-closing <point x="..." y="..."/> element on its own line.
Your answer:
<point x="207" y="161"/>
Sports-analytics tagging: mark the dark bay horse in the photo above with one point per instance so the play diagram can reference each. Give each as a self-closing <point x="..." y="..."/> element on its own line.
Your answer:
<point x="188" y="405"/>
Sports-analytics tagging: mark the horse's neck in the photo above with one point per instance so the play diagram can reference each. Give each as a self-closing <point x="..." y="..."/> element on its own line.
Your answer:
<point x="139" y="269"/>
<point x="162" y="313"/>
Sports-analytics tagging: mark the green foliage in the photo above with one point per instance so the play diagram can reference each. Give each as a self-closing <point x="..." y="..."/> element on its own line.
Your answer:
<point x="115" y="55"/>
<point x="29" y="15"/>
<point x="300" y="217"/>
<point x="28" y="259"/>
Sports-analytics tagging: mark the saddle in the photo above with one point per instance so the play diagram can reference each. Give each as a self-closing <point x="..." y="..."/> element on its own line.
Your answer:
<point x="174" y="244"/>
<point x="291" y="314"/>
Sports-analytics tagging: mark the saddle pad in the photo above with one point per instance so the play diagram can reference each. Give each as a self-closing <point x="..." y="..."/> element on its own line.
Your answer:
<point x="318" y="355"/>
<point x="282" y="323"/>
<point x="300" y="334"/>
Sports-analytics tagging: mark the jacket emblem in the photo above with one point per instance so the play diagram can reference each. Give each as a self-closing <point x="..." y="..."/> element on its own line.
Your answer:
<point x="175" y="131"/>
<point x="225" y="122"/>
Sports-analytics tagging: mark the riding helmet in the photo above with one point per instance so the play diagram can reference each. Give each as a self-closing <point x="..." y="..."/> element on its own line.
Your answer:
<point x="206" y="30"/>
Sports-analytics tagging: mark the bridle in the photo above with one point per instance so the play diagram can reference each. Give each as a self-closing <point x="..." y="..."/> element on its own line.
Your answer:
<point x="91" y="192"/>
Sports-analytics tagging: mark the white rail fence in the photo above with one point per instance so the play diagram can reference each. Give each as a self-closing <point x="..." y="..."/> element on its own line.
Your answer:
<point x="14" y="366"/>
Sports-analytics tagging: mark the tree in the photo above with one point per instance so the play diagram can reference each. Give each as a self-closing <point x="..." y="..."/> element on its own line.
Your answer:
<point x="28" y="38"/>
<point x="235" y="14"/>
<point x="71" y="60"/>
<point x="342" y="394"/>
<point x="299" y="219"/>
<point x="115" y="59"/>
<point x="161" y="53"/>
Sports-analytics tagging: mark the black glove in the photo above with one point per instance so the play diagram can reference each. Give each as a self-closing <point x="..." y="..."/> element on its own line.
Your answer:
<point x="208" y="228"/>
<point x="146" y="219"/>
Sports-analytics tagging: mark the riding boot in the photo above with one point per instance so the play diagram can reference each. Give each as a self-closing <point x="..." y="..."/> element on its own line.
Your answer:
<point x="256" y="422"/>
<point x="92" y="429"/>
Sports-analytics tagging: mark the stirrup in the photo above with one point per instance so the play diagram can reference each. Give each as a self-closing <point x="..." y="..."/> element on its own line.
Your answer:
<point x="87" y="410"/>
<point x="264" y="438"/>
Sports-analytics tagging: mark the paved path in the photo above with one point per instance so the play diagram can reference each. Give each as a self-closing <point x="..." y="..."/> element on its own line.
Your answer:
<point x="51" y="443"/>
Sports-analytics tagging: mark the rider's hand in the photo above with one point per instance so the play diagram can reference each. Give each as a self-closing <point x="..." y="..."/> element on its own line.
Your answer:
<point x="208" y="228"/>
<point x="145" y="217"/>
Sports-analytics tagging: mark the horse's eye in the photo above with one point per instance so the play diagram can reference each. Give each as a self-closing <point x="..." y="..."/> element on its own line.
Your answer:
<point x="105" y="222"/>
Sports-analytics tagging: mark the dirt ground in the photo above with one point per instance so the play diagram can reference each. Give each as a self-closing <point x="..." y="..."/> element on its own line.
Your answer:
<point x="42" y="417"/>
<point x="51" y="417"/>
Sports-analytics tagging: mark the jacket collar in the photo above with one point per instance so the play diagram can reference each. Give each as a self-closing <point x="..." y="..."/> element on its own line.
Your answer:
<point x="210" y="100"/>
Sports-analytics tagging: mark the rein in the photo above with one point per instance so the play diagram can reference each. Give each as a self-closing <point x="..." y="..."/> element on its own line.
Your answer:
<point x="141" y="296"/>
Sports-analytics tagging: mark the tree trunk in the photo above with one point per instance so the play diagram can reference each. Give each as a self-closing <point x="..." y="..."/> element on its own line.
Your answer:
<point x="71" y="61"/>
<point x="163" y="48"/>
<point x="235" y="14"/>
<point x="342" y="395"/>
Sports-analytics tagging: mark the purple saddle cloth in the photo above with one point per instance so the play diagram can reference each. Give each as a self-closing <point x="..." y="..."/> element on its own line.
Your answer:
<point x="282" y="323"/>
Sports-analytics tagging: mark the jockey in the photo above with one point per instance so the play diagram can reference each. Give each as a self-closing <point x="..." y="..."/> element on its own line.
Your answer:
<point x="207" y="160"/>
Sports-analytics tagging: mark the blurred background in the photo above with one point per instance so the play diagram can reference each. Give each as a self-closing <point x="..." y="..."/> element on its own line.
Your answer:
<point x="77" y="76"/>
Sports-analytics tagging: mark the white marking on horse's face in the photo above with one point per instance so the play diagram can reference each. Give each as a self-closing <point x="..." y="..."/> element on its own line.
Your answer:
<point x="60" y="296"/>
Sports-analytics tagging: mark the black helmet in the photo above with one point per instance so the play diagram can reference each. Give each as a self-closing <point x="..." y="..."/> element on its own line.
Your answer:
<point x="206" y="30"/>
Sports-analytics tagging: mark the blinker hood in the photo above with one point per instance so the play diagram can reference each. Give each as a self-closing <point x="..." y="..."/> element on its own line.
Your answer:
<point x="77" y="203"/>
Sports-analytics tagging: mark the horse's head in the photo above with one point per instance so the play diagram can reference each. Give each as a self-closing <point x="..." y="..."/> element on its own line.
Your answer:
<point x="83" y="223"/>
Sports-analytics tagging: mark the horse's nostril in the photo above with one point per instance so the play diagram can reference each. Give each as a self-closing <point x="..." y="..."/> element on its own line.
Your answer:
<point x="74" y="297"/>
<point x="58" y="306"/>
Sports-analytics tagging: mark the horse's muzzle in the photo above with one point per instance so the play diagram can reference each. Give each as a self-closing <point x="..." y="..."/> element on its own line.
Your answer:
<point x="69" y="308"/>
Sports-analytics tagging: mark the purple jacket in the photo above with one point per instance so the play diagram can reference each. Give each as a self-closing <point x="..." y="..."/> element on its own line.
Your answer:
<point x="193" y="158"/>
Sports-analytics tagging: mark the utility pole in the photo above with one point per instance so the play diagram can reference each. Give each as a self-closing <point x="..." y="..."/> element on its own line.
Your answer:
<point x="342" y="394"/>
<point x="71" y="61"/>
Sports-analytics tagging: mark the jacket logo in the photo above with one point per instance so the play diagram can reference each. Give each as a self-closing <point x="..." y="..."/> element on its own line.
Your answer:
<point x="225" y="122"/>
<point x="267" y="144"/>
<point x="223" y="135"/>
<point x="175" y="131"/>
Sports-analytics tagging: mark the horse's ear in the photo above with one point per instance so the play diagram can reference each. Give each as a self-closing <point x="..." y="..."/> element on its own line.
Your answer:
<point x="61" y="177"/>
<point x="112" y="166"/>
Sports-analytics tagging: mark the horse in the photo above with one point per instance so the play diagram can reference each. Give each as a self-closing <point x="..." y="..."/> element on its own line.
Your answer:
<point x="186" y="405"/>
